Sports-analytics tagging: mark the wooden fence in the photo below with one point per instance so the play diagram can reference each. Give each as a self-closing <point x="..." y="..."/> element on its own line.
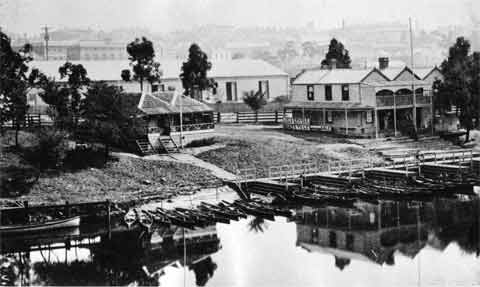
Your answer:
<point x="30" y="121"/>
<point x="249" y="117"/>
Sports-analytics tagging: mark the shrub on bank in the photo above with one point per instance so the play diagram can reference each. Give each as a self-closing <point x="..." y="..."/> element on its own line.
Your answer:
<point x="201" y="142"/>
<point x="49" y="151"/>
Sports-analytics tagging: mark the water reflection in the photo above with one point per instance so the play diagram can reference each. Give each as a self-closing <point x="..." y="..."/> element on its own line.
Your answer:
<point x="369" y="245"/>
<point x="373" y="233"/>
<point x="133" y="257"/>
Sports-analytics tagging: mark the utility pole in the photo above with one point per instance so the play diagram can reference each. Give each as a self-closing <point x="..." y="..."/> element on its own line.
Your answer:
<point x="46" y="37"/>
<point x="414" y="95"/>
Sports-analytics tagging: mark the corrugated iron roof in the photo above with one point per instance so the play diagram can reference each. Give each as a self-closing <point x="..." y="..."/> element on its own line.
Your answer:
<point x="110" y="70"/>
<point x="169" y="103"/>
<point x="332" y="76"/>
<point x="351" y="76"/>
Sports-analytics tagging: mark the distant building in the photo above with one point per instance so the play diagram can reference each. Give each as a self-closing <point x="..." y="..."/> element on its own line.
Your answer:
<point x="365" y="102"/>
<point x="80" y="50"/>
<point x="233" y="77"/>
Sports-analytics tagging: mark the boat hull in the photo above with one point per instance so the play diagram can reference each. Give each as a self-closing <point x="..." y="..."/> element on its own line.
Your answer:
<point x="54" y="224"/>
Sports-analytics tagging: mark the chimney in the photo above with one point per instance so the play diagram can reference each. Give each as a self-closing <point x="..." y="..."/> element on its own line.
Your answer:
<point x="333" y="64"/>
<point x="383" y="63"/>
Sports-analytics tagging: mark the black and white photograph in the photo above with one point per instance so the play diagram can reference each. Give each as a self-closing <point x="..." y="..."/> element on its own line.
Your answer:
<point x="238" y="143"/>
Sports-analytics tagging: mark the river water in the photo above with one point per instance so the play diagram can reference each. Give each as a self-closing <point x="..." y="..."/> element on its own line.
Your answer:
<point x="434" y="243"/>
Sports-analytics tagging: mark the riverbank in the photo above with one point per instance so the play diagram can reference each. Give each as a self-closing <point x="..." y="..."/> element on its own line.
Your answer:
<point x="122" y="179"/>
<point x="261" y="147"/>
<point x="161" y="178"/>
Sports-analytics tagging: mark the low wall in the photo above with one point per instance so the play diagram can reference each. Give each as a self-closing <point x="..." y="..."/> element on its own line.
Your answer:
<point x="189" y="136"/>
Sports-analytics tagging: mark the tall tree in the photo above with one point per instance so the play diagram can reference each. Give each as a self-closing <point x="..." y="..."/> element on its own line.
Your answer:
<point x="194" y="72"/>
<point x="142" y="59"/>
<point x="15" y="83"/>
<point x="103" y="114"/>
<point x="337" y="52"/>
<point x="77" y="84"/>
<point x="460" y="86"/>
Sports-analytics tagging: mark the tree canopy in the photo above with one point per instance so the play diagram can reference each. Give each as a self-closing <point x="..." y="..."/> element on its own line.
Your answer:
<point x="194" y="72"/>
<point x="15" y="82"/>
<point x="73" y="91"/>
<point x="254" y="99"/>
<point x="142" y="59"/>
<point x="337" y="52"/>
<point x="104" y="117"/>
<point x="461" y="84"/>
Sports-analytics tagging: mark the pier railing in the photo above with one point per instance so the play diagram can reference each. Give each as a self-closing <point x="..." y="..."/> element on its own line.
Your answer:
<point x="405" y="161"/>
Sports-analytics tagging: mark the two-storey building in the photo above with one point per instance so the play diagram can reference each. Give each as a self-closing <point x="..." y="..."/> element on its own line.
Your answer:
<point x="365" y="102"/>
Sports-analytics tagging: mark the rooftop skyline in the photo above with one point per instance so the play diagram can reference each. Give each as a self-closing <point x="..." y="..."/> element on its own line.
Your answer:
<point x="28" y="16"/>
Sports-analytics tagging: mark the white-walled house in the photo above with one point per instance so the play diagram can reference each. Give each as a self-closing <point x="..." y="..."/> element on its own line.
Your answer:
<point x="233" y="77"/>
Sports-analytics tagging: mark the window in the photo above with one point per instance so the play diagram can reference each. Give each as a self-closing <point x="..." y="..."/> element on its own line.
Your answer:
<point x="329" y="117"/>
<point x="155" y="88"/>
<point x="350" y="241"/>
<point x="369" y="117"/>
<point x="264" y="88"/>
<point x="231" y="88"/>
<point x="332" y="238"/>
<point x="328" y="93"/>
<point x="214" y="89"/>
<point x="310" y="93"/>
<point x="345" y="93"/>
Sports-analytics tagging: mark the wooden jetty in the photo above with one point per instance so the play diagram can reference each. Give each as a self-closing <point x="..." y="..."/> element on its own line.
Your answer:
<point x="286" y="180"/>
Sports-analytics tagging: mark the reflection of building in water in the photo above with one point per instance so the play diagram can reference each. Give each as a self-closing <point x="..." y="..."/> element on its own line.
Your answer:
<point x="91" y="258"/>
<point x="375" y="233"/>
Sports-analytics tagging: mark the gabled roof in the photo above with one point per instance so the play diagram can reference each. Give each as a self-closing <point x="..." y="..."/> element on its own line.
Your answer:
<point x="423" y="73"/>
<point x="169" y="103"/>
<point x="110" y="70"/>
<point x="334" y="76"/>
<point x="391" y="73"/>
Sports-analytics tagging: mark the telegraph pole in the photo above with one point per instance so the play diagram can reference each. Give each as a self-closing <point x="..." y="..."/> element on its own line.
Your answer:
<point x="46" y="37"/>
<point x="414" y="95"/>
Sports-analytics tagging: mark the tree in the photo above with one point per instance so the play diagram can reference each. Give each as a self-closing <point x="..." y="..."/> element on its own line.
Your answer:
<point x="337" y="52"/>
<point x="15" y="83"/>
<point x="102" y="113"/>
<point x="142" y="60"/>
<point x="255" y="100"/>
<point x="461" y="84"/>
<point x="56" y="98"/>
<point x="126" y="75"/>
<point x="72" y="93"/>
<point x="194" y="72"/>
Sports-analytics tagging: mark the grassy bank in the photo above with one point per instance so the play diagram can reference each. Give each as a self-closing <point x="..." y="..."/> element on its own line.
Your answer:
<point x="122" y="179"/>
<point x="260" y="147"/>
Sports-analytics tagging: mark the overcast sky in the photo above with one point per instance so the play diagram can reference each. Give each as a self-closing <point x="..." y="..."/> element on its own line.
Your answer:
<point x="166" y="15"/>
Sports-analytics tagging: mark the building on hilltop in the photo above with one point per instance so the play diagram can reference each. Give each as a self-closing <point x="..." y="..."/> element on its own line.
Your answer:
<point x="365" y="102"/>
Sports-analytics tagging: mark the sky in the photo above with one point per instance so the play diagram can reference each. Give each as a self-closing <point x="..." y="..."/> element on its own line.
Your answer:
<point x="27" y="16"/>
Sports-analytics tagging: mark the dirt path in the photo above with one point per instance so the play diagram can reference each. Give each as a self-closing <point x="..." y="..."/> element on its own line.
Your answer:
<point x="191" y="159"/>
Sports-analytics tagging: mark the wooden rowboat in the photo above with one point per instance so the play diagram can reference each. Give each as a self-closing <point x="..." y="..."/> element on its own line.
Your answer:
<point x="44" y="226"/>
